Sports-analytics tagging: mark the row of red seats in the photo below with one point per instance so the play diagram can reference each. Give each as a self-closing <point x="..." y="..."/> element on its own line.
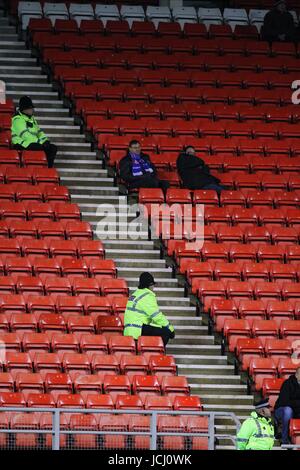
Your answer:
<point x="90" y="400"/>
<point x="163" y="110"/>
<point x="250" y="289"/>
<point x="176" y="61"/>
<point x="88" y="27"/>
<point x="239" y="234"/>
<point x="233" y="329"/>
<point x="31" y="175"/>
<point x="94" y="42"/>
<point x="90" y="250"/>
<point x="14" y="223"/>
<point x="197" y="127"/>
<point x="19" y="282"/>
<point x="207" y="145"/>
<point x="18" y="192"/>
<point x="239" y="270"/>
<point x="178" y="94"/>
<point x="127" y="364"/>
<point x="70" y="312"/>
<point x="263" y="309"/>
<point x="27" y="341"/>
<point x="243" y="198"/>
<point x="34" y="210"/>
<point x="70" y="319"/>
<point x="226" y="251"/>
<point x="27" y="158"/>
<point x="230" y="216"/>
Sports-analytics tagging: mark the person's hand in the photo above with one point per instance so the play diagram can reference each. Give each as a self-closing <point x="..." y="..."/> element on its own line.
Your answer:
<point x="282" y="37"/>
<point x="172" y="332"/>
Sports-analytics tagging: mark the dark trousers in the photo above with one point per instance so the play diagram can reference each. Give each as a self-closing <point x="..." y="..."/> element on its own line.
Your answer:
<point x="284" y="414"/>
<point x="148" y="182"/>
<point x="164" y="332"/>
<point x="49" y="149"/>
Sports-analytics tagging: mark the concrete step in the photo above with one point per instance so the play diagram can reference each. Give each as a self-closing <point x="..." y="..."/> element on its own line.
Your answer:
<point x="88" y="181"/>
<point x="133" y="274"/>
<point x="214" y="379"/>
<point x="183" y="320"/>
<point x="19" y="69"/>
<point x="223" y="389"/>
<point x="237" y="409"/>
<point x="19" y="79"/>
<point x="195" y="348"/>
<point x="196" y="365"/>
<point x="196" y="362"/>
<point x="66" y="138"/>
<point x="181" y="349"/>
<point x="102" y="199"/>
<point x="82" y="158"/>
<point x="92" y="164"/>
<point x="133" y="282"/>
<point x="169" y="301"/>
<point x="64" y="129"/>
<point x="49" y="96"/>
<point x="82" y="172"/>
<point x="37" y="101"/>
<point x="126" y="256"/>
<point x="146" y="245"/>
<point x="51" y="112"/>
<point x="12" y="53"/>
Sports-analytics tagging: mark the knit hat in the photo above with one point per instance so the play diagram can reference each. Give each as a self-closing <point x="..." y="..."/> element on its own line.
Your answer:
<point x="262" y="404"/>
<point x="146" y="280"/>
<point x="25" y="103"/>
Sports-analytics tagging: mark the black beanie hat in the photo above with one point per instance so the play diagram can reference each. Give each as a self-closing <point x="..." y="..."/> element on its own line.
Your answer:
<point x="146" y="280"/>
<point x="25" y="103"/>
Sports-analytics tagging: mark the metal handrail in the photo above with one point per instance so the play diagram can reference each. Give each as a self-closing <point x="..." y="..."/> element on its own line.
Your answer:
<point x="56" y="431"/>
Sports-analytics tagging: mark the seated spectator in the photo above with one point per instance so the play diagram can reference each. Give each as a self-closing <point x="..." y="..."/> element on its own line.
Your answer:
<point x="26" y="133"/>
<point x="193" y="171"/>
<point x="287" y="405"/>
<point x="279" y="24"/>
<point x="143" y="316"/>
<point x="137" y="170"/>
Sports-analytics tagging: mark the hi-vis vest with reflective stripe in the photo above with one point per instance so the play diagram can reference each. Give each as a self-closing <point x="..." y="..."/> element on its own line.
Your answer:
<point x="256" y="433"/>
<point x="142" y="309"/>
<point x="25" y="131"/>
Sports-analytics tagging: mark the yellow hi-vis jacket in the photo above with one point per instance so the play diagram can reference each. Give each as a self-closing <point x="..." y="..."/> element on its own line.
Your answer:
<point x="142" y="309"/>
<point x="256" y="433"/>
<point x="25" y="131"/>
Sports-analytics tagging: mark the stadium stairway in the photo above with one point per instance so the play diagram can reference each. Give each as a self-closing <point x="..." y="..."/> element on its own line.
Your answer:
<point x="198" y="356"/>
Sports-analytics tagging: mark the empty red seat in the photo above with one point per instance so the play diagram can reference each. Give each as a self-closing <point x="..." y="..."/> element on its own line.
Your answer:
<point x="58" y="382"/>
<point x="286" y="366"/>
<point x="104" y="363"/>
<point x="80" y="324"/>
<point x="99" y="268"/>
<point x="109" y="325"/>
<point x="234" y="329"/>
<point x="162" y="365"/>
<point x="133" y="365"/>
<point x="46" y="362"/>
<point x="252" y="308"/>
<point x="94" y="343"/>
<point x="187" y="403"/>
<point x="51" y="322"/>
<point x="36" y="342"/>
<point x="260" y="369"/>
<point x="124" y="344"/>
<point x="277" y="347"/>
<point x="265" y="328"/>
<point x="18" y="361"/>
<point x="174" y="385"/>
<point x="94" y="305"/>
<point x="290" y="328"/>
<point x="114" y="286"/>
<point x="15" y="399"/>
<point x="69" y="305"/>
<point x="145" y="384"/>
<point x="150" y="344"/>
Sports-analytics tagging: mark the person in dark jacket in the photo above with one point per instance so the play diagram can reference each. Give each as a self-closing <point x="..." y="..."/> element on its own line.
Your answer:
<point x="26" y="133"/>
<point x="195" y="174"/>
<point x="287" y="405"/>
<point x="279" y="24"/>
<point x="137" y="170"/>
